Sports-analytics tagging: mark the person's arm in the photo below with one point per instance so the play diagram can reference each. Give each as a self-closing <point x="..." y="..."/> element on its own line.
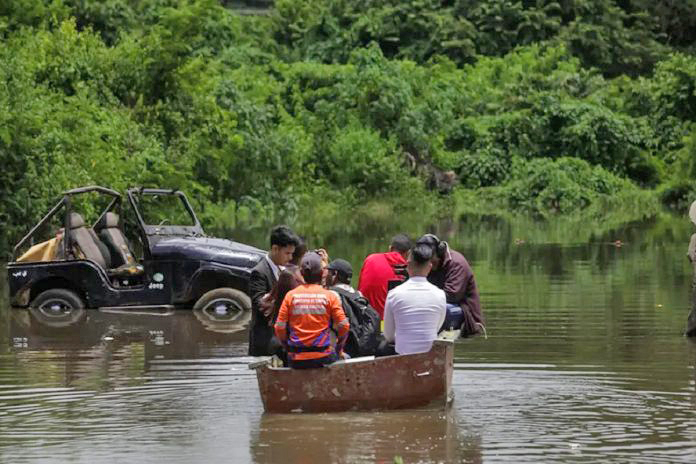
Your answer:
<point x="281" y="326"/>
<point x="257" y="288"/>
<point x="340" y="322"/>
<point x="455" y="283"/>
<point x="389" y="322"/>
<point x="460" y="288"/>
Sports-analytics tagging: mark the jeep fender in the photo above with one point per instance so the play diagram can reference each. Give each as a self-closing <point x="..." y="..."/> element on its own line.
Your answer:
<point x="211" y="276"/>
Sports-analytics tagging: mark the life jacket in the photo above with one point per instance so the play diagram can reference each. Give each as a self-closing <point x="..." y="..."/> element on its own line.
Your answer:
<point x="364" y="334"/>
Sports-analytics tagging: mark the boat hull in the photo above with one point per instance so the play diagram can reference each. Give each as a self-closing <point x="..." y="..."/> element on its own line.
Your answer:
<point x="391" y="382"/>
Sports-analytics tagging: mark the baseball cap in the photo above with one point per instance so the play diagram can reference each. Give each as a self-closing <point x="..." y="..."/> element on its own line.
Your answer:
<point x="311" y="263"/>
<point x="342" y="266"/>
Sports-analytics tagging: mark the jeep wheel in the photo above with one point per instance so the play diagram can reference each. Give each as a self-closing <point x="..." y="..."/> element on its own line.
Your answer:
<point x="223" y="301"/>
<point x="58" y="305"/>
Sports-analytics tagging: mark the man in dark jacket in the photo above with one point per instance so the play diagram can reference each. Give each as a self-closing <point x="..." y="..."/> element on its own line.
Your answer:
<point x="451" y="272"/>
<point x="263" y="276"/>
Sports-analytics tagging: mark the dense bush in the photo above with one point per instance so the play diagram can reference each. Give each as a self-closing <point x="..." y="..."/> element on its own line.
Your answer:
<point x="545" y="186"/>
<point x="551" y="105"/>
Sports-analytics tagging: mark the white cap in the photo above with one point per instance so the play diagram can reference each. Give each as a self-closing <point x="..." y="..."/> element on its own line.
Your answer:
<point x="692" y="212"/>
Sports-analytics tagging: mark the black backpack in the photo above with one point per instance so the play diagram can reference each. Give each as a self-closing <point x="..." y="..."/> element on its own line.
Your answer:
<point x="363" y="337"/>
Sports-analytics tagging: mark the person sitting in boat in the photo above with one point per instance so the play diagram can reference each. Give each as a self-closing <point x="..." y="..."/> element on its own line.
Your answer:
<point x="380" y="268"/>
<point x="364" y="334"/>
<point x="263" y="276"/>
<point x="306" y="316"/>
<point x="288" y="279"/>
<point x="451" y="272"/>
<point x="415" y="310"/>
<point x="300" y="250"/>
<point x="691" y="254"/>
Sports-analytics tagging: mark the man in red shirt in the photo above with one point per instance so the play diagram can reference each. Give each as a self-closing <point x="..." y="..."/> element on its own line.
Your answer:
<point x="306" y="316"/>
<point x="379" y="268"/>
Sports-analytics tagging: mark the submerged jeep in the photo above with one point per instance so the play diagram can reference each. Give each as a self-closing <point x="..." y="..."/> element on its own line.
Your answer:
<point x="165" y="259"/>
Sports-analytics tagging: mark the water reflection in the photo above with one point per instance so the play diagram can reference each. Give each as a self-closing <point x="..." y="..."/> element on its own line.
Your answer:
<point x="584" y="362"/>
<point x="421" y="436"/>
<point x="93" y="347"/>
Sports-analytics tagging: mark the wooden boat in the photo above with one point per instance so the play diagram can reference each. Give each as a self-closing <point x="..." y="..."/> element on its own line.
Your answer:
<point x="360" y="384"/>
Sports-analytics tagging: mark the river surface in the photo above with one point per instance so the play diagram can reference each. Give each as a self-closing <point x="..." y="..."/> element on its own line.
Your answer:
<point x="584" y="362"/>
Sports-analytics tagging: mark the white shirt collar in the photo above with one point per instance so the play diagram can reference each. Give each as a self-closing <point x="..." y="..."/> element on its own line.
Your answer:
<point x="274" y="267"/>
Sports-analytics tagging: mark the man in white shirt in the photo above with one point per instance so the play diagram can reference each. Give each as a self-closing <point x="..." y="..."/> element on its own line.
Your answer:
<point x="415" y="310"/>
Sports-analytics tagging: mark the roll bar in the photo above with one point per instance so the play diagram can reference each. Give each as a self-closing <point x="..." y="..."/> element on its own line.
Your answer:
<point x="66" y="202"/>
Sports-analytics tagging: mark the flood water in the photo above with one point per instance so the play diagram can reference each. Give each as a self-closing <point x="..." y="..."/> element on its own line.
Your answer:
<point x="584" y="362"/>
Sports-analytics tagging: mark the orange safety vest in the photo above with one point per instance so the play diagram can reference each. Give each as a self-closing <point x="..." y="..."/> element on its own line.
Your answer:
<point x="304" y="320"/>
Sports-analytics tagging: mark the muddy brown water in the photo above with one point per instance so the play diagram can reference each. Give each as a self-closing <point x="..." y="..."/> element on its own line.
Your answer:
<point x="584" y="362"/>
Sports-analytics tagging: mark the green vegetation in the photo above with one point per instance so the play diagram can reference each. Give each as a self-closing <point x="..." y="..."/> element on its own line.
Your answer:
<point x="544" y="107"/>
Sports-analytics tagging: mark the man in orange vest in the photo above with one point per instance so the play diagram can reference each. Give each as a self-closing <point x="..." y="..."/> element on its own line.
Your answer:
<point x="306" y="317"/>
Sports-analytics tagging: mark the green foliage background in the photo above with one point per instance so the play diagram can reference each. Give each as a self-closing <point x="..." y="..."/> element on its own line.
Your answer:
<point x="546" y="107"/>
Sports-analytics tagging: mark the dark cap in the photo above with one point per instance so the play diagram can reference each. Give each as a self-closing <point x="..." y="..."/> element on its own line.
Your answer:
<point x="342" y="266"/>
<point x="311" y="264"/>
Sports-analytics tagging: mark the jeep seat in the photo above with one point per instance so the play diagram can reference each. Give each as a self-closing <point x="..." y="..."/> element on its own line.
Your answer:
<point x="110" y="233"/>
<point x="86" y="243"/>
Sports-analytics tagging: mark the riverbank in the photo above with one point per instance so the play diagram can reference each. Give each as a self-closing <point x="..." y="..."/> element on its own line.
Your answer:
<point x="266" y="116"/>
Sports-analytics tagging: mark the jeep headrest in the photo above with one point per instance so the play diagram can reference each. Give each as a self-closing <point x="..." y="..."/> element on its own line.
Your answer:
<point x="76" y="221"/>
<point x="107" y="221"/>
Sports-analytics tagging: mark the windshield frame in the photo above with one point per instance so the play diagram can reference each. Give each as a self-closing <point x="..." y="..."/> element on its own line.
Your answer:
<point x="151" y="231"/>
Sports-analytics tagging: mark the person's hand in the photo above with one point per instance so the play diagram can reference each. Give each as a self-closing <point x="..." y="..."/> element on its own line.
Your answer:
<point x="324" y="256"/>
<point x="343" y="355"/>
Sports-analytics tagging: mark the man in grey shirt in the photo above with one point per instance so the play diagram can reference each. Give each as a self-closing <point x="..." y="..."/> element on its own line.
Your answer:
<point x="415" y="310"/>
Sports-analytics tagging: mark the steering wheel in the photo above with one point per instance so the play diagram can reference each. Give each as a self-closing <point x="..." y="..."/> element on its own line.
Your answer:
<point x="163" y="222"/>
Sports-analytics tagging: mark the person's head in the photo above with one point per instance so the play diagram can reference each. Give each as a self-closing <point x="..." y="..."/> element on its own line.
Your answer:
<point x="438" y="247"/>
<point x="300" y="250"/>
<point x="420" y="260"/>
<point x="340" y="272"/>
<point x="288" y="279"/>
<point x="311" y="268"/>
<point x="401" y="244"/>
<point x="283" y="242"/>
<point x="692" y="212"/>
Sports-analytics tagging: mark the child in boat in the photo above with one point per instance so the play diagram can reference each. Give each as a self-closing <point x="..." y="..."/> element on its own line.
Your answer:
<point x="305" y="317"/>
<point x="691" y="254"/>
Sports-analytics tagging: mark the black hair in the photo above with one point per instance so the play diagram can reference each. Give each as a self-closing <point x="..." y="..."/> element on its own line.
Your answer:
<point x="421" y="254"/>
<point x="438" y="246"/>
<point x="401" y="243"/>
<point x="287" y="280"/>
<point x="283" y="236"/>
<point x="300" y="250"/>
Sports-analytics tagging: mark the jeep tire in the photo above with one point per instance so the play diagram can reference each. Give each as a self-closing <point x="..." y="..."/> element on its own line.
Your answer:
<point x="229" y="299"/>
<point x="58" y="303"/>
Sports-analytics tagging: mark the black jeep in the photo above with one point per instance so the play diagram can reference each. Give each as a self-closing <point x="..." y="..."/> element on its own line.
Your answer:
<point x="168" y="262"/>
